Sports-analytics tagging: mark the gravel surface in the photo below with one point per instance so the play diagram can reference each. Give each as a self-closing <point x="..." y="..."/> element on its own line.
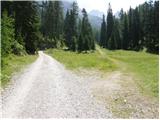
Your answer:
<point x="47" y="90"/>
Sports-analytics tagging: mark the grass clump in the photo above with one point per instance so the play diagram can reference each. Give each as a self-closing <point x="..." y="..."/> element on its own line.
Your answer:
<point x="73" y="60"/>
<point x="12" y="64"/>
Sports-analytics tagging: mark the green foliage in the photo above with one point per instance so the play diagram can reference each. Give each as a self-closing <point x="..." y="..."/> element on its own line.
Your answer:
<point x="103" y="37"/>
<point x="112" y="45"/>
<point x="73" y="43"/>
<point x="7" y="32"/>
<point x="27" y="23"/>
<point x="52" y="20"/>
<point x="134" y="30"/>
<point x="86" y="40"/>
<point x="125" y="42"/>
<point x="71" y="27"/>
<point x="110" y="23"/>
<point x="151" y="29"/>
<point x="13" y="64"/>
<point x="18" y="49"/>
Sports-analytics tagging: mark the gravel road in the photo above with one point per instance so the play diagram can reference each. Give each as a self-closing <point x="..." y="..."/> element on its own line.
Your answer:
<point x="47" y="90"/>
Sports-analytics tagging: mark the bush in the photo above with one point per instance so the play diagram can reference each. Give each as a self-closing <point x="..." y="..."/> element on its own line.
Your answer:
<point x="18" y="49"/>
<point x="7" y="27"/>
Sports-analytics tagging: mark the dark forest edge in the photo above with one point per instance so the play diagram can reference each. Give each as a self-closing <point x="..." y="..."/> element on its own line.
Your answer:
<point x="29" y="26"/>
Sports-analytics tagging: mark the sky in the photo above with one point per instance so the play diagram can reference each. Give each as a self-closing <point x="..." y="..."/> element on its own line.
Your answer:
<point x="102" y="5"/>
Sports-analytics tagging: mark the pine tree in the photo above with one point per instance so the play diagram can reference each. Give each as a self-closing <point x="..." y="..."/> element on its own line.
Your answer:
<point x="136" y="29"/>
<point x="156" y="27"/>
<point x="103" y="33"/>
<point x="130" y="28"/>
<point x="121" y="26"/>
<point x="110" y="23"/>
<point x="67" y="32"/>
<point x="86" y="41"/>
<point x="116" y="34"/>
<point x="58" y="19"/>
<point x="112" y="43"/>
<point x="125" y="41"/>
<point x="73" y="25"/>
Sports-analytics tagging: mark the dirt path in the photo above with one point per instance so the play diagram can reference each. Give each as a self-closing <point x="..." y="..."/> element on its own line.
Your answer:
<point x="47" y="90"/>
<point x="122" y="97"/>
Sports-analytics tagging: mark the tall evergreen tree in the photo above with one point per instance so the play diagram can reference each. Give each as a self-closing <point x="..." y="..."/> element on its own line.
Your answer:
<point x="103" y="37"/>
<point x="116" y="34"/>
<point x="125" y="41"/>
<point x="110" y="23"/>
<point x="136" y="29"/>
<point x="71" y="27"/>
<point x="130" y="28"/>
<point x="121" y="25"/>
<point x="58" y="19"/>
<point x="67" y="32"/>
<point x="74" y="26"/>
<point x="86" y="40"/>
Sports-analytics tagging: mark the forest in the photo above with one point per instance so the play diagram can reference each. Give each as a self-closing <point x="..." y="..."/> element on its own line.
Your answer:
<point x="29" y="26"/>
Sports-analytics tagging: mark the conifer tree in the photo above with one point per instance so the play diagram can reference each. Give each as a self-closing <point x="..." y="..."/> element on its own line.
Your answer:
<point x="103" y="37"/>
<point x="86" y="41"/>
<point x="125" y="41"/>
<point x="110" y="23"/>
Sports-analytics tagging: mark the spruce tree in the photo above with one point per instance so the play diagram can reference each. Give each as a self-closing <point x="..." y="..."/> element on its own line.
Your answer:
<point x="67" y="32"/>
<point x="58" y="19"/>
<point x="125" y="41"/>
<point x="103" y="37"/>
<point x="110" y="23"/>
<point x="116" y="34"/>
<point x="130" y="28"/>
<point x="136" y="29"/>
<point x="86" y="41"/>
<point x="73" y="25"/>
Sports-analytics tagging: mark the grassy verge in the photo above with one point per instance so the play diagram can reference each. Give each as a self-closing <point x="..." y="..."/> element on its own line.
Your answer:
<point x="74" y="60"/>
<point x="143" y="65"/>
<point x="13" y="64"/>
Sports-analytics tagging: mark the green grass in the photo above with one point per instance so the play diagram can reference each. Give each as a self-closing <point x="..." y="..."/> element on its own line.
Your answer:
<point x="144" y="66"/>
<point x="13" y="64"/>
<point x="74" y="60"/>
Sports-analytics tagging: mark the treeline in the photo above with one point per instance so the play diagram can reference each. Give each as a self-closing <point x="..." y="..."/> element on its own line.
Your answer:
<point x="71" y="31"/>
<point x="29" y="26"/>
<point x="136" y="29"/>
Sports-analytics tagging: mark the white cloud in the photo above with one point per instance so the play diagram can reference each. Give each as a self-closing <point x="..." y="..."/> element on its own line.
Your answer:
<point x="102" y="5"/>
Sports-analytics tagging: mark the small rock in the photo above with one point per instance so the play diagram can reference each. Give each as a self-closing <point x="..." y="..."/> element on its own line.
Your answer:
<point x="116" y="99"/>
